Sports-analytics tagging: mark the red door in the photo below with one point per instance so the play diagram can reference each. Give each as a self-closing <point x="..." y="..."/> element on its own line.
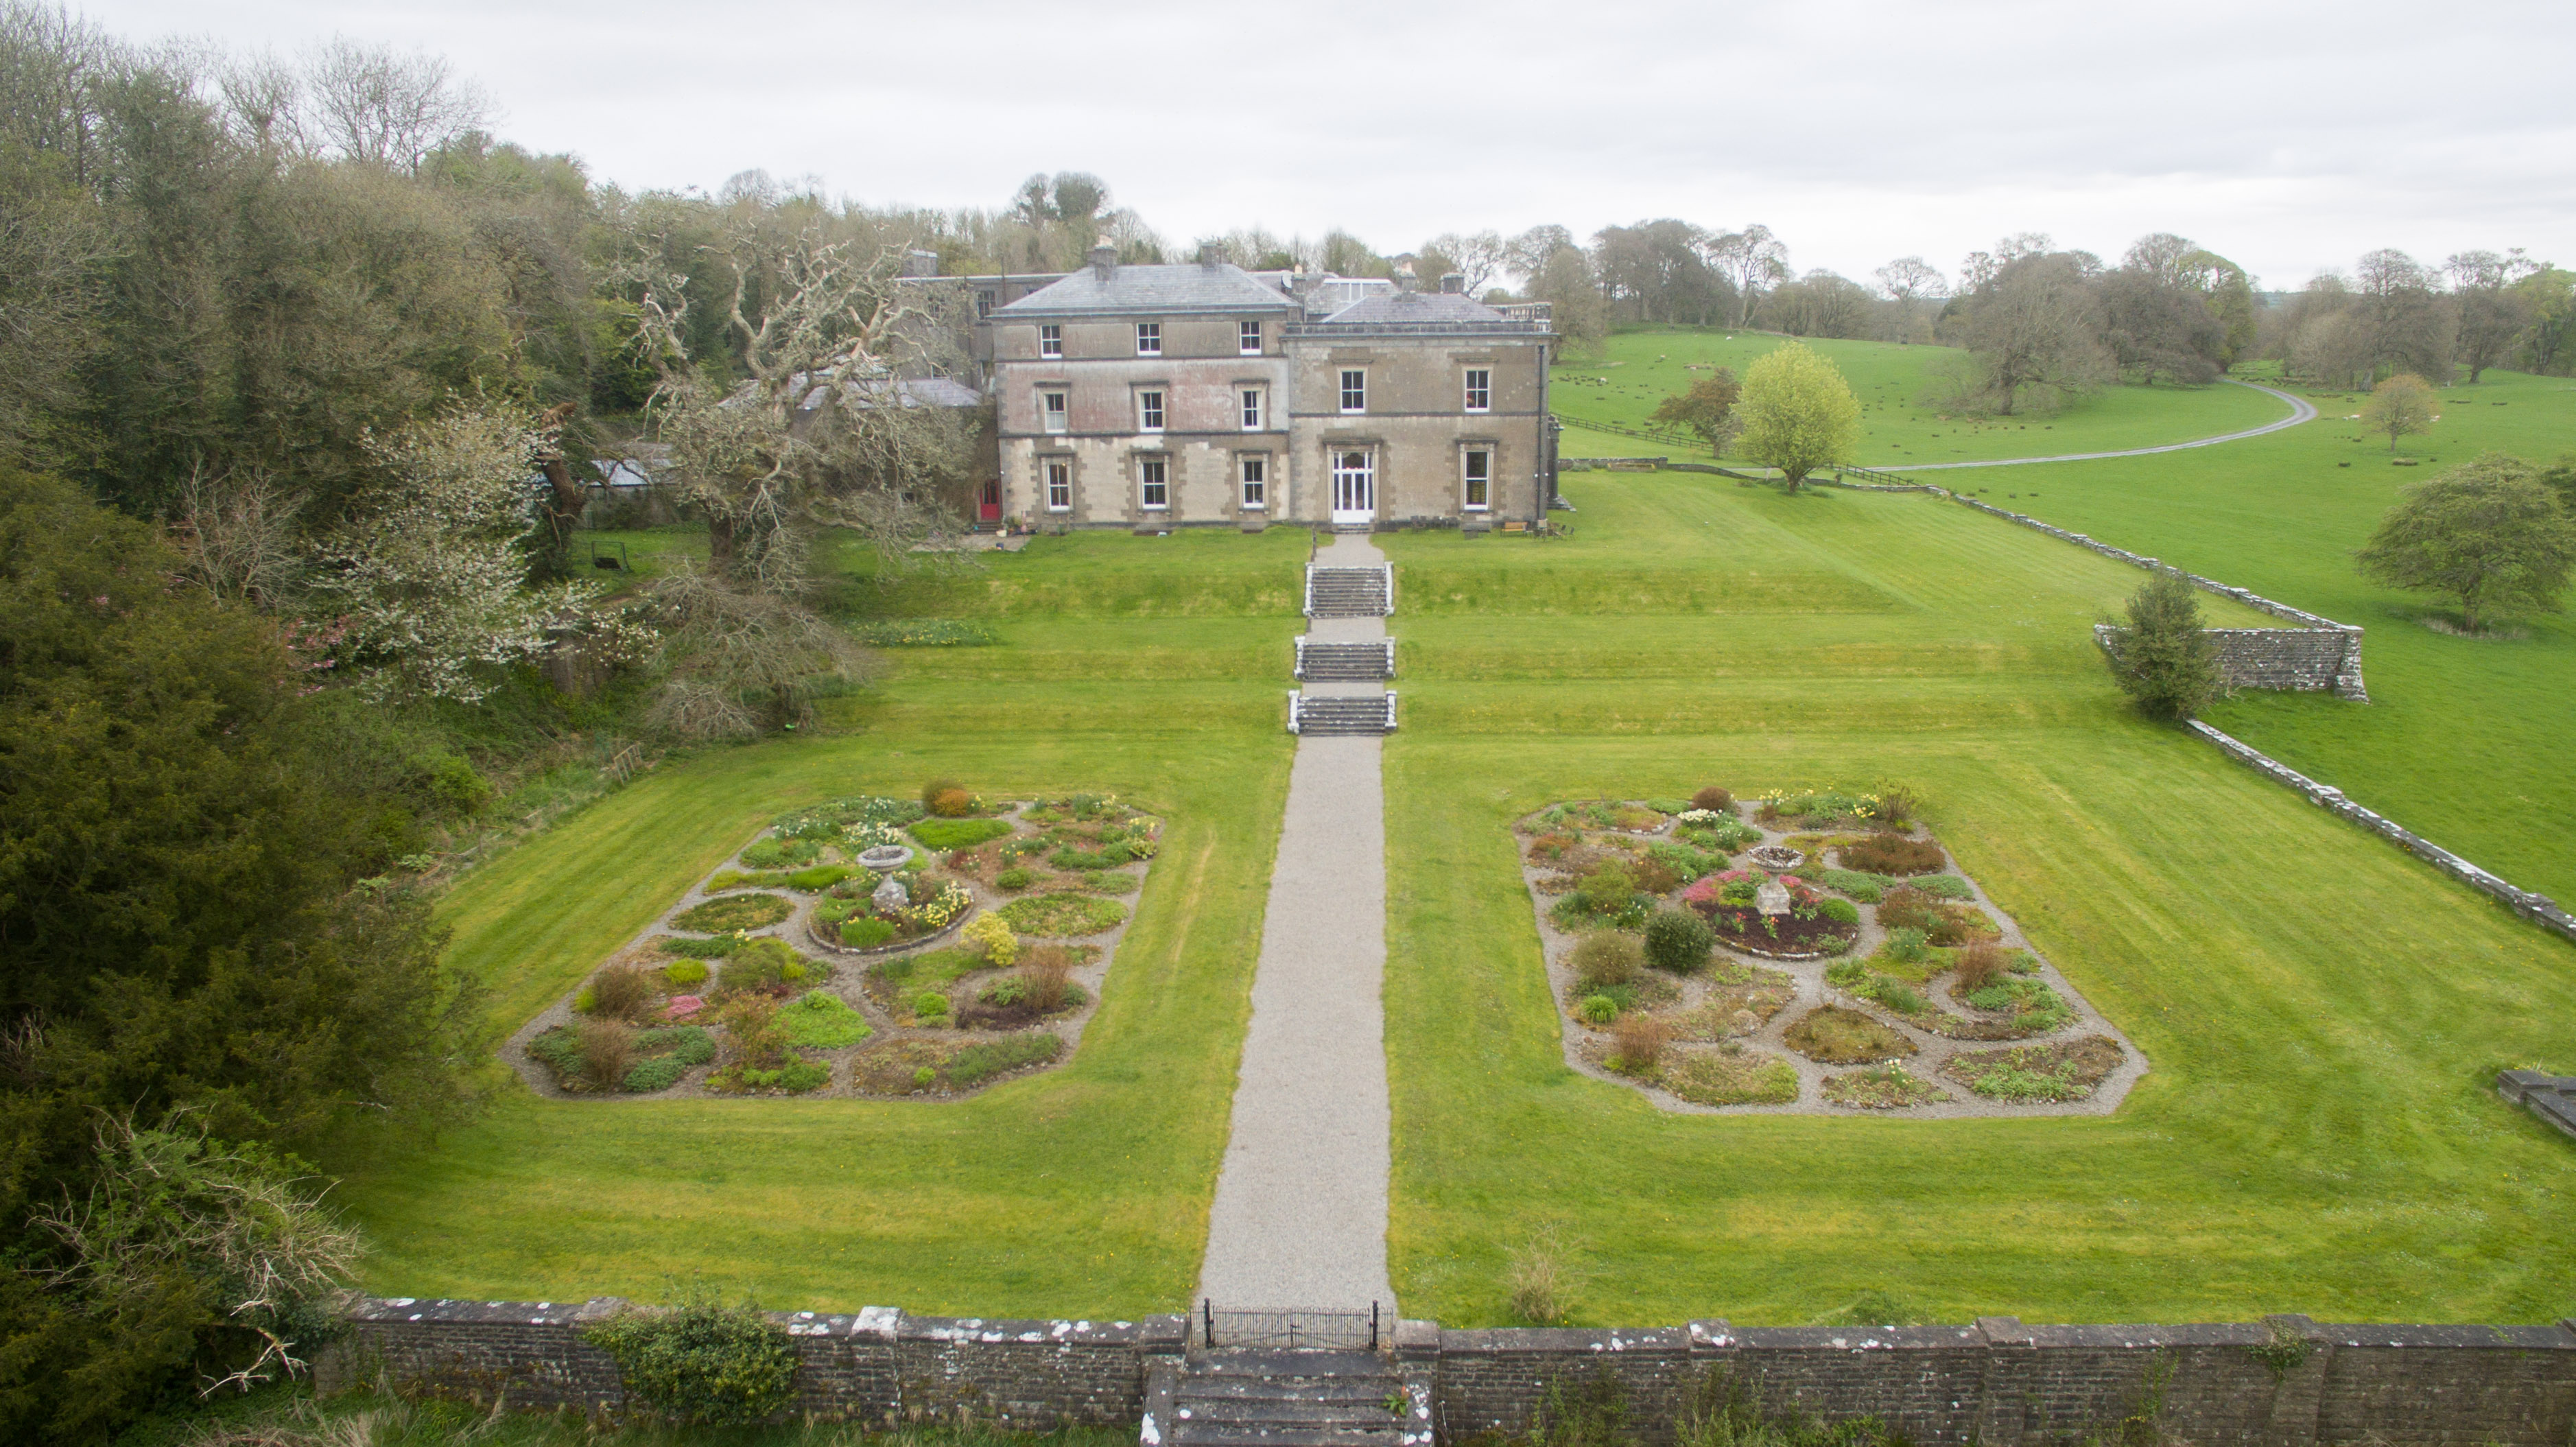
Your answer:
<point x="990" y="509"/>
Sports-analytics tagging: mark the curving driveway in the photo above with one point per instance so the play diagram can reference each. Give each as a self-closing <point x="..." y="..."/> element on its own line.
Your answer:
<point x="2300" y="412"/>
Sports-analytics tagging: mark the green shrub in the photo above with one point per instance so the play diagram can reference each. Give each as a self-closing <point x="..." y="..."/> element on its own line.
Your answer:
<point x="1606" y="957"/>
<point x="1607" y="889"/>
<point x="946" y="834"/>
<point x="1843" y="974"/>
<point x="684" y="973"/>
<point x="1015" y="880"/>
<point x="1867" y="888"/>
<point x="618" y="992"/>
<point x="1106" y="881"/>
<point x="1006" y="992"/>
<point x="688" y="1044"/>
<point x="725" y="881"/>
<point x="697" y="949"/>
<point x="1907" y="945"/>
<point x="657" y="1072"/>
<point x="1895" y="995"/>
<point x="1712" y="798"/>
<point x="1600" y="1009"/>
<point x="1678" y="940"/>
<point x="1893" y="854"/>
<point x="866" y="934"/>
<point x="1943" y="886"/>
<point x="762" y="965"/>
<point x="930" y="1005"/>
<point x="822" y="1021"/>
<point x="817" y="878"/>
<point x="559" y="1047"/>
<point x="993" y="1057"/>
<point x="1063" y="915"/>
<point x="734" y="912"/>
<point x="781" y="853"/>
<point x="1840" y="911"/>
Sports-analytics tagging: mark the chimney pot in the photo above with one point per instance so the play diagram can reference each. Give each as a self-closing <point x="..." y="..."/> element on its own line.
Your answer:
<point x="1454" y="283"/>
<point x="1404" y="278"/>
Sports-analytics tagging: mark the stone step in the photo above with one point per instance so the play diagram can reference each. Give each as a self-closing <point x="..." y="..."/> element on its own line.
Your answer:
<point x="1345" y="662"/>
<point x="1362" y="1390"/>
<point x="1186" y="1433"/>
<point x="1322" y="716"/>
<point x="1272" y="1363"/>
<point x="1289" y="1405"/>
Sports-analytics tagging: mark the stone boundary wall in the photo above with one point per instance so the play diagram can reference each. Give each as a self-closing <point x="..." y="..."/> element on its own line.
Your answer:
<point x="2285" y="1380"/>
<point x="2303" y="659"/>
<point x="2540" y="909"/>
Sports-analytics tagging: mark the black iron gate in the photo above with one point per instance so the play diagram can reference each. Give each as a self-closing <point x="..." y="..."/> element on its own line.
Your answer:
<point x="1342" y="1330"/>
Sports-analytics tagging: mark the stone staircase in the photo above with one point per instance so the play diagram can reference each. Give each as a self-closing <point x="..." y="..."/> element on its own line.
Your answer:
<point x="1349" y="592"/>
<point x="1257" y="1398"/>
<point x="1345" y="662"/>
<point x="1324" y="717"/>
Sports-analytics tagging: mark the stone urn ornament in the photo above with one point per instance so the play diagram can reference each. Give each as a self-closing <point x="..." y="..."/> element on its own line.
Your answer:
<point x="1775" y="857"/>
<point x="1773" y="897"/>
<point x="890" y="896"/>
<point x="885" y="858"/>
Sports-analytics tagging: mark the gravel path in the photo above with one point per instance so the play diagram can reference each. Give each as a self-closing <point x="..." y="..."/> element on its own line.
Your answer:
<point x="2300" y="412"/>
<point x="1300" y="1213"/>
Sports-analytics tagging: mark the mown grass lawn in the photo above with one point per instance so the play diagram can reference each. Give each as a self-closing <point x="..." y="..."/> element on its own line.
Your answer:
<point x="1079" y="1191"/>
<point x="1898" y="426"/>
<point x="2323" y="1015"/>
<point x="2465" y="739"/>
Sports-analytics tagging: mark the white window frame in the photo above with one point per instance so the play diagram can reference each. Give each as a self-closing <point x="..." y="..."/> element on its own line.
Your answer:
<point x="1153" y="473"/>
<point x="1247" y="338"/>
<point x="1149" y="339"/>
<point x="1153" y="409"/>
<point x="1050" y="339"/>
<point x="1252" y="408"/>
<point x="1480" y="389"/>
<point x="1349" y="390"/>
<point x="1059" y="417"/>
<point x="1056" y="475"/>
<point x="1467" y="478"/>
<point x="1252" y="478"/>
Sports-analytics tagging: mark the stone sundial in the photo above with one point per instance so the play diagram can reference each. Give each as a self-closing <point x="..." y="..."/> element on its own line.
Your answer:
<point x="1772" y="897"/>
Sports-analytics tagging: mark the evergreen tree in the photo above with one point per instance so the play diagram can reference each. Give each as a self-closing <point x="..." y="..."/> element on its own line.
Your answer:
<point x="2164" y="660"/>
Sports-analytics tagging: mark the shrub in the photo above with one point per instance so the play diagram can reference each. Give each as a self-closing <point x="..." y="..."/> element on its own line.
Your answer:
<point x="1607" y="889"/>
<point x="1014" y="880"/>
<point x="681" y="974"/>
<point x="559" y="1048"/>
<point x="761" y="966"/>
<point x="1654" y="876"/>
<point x="2162" y="659"/>
<point x="1607" y="957"/>
<point x="778" y="853"/>
<point x="1907" y="945"/>
<point x="1907" y="907"/>
<point x="991" y="937"/>
<point x="931" y="791"/>
<point x="1840" y="911"/>
<point x="734" y="912"/>
<point x="866" y="933"/>
<point x="1063" y="914"/>
<point x="947" y="834"/>
<point x="952" y="804"/>
<point x="1867" y="888"/>
<point x="1893" y="854"/>
<point x="1895" y="995"/>
<point x="1833" y="1035"/>
<point x="1980" y="963"/>
<point x="930" y="1005"/>
<point x="1678" y="940"/>
<point x="701" y="1363"/>
<point x="1897" y="805"/>
<point x="1843" y="974"/>
<point x="980" y="1062"/>
<point x="695" y="949"/>
<point x="1714" y="798"/>
<point x="821" y="1020"/>
<point x="819" y="877"/>
<point x="1943" y="886"/>
<point x="688" y="1044"/>
<point x="1049" y="974"/>
<point x="620" y="992"/>
<point x="1006" y="991"/>
<point x="1600" y="1009"/>
<point x="656" y="1072"/>
<point x="607" y="1048"/>
<point x="1637" y="1043"/>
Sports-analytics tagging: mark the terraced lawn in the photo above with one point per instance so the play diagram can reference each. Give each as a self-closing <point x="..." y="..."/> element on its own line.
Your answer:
<point x="2322" y="1014"/>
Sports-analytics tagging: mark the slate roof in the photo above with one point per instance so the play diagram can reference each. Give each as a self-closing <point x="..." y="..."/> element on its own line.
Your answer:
<point x="1414" y="306"/>
<point x="1145" y="289"/>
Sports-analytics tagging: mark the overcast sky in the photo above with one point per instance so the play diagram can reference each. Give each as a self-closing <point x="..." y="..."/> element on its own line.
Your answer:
<point x="2288" y="137"/>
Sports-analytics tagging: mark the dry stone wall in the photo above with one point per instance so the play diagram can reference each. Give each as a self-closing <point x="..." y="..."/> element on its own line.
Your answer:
<point x="2285" y="1380"/>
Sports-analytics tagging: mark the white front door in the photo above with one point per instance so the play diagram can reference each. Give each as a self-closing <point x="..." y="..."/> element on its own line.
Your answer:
<point x="1354" y="486"/>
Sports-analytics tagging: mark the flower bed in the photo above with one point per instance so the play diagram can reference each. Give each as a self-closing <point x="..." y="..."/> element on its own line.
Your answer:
<point x="2069" y="1070"/>
<point x="730" y="1007"/>
<point x="1808" y="931"/>
<point x="1881" y="1087"/>
<point x="1715" y="1077"/>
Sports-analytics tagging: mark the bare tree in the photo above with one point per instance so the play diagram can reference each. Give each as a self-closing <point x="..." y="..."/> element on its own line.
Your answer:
<point x="53" y="248"/>
<point x="372" y="103"/>
<point x="2492" y="314"/>
<point x="237" y="531"/>
<point x="1477" y="257"/>
<point x="2411" y="328"/>
<point x="1751" y="260"/>
<point x="54" y="74"/>
<point x="1911" y="278"/>
<point x="1980" y="268"/>
<point x="2034" y="329"/>
<point x="1526" y="255"/>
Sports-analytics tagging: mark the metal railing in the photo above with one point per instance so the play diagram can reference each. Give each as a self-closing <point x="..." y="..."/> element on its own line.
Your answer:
<point x="1292" y="1329"/>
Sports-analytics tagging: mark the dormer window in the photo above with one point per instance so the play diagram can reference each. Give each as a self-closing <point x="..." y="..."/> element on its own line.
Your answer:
<point x="1251" y="343"/>
<point x="1149" y="339"/>
<point x="1050" y="340"/>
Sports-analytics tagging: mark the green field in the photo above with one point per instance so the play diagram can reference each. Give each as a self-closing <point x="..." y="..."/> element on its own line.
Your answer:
<point x="2322" y="1014"/>
<point x="1638" y="369"/>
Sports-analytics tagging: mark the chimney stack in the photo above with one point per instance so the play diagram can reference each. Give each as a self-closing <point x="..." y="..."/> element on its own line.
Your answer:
<point x="1104" y="258"/>
<point x="921" y="263"/>
<point x="1404" y="278"/>
<point x="1453" y="284"/>
<point x="1211" y="254"/>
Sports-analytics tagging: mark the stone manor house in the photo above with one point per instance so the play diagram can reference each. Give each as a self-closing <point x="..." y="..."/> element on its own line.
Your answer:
<point x="1200" y="394"/>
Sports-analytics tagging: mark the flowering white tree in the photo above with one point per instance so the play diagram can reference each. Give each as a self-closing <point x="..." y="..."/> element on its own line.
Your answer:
<point x="431" y="567"/>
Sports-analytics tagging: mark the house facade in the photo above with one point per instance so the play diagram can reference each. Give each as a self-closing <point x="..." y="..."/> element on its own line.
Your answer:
<point x="1155" y="397"/>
